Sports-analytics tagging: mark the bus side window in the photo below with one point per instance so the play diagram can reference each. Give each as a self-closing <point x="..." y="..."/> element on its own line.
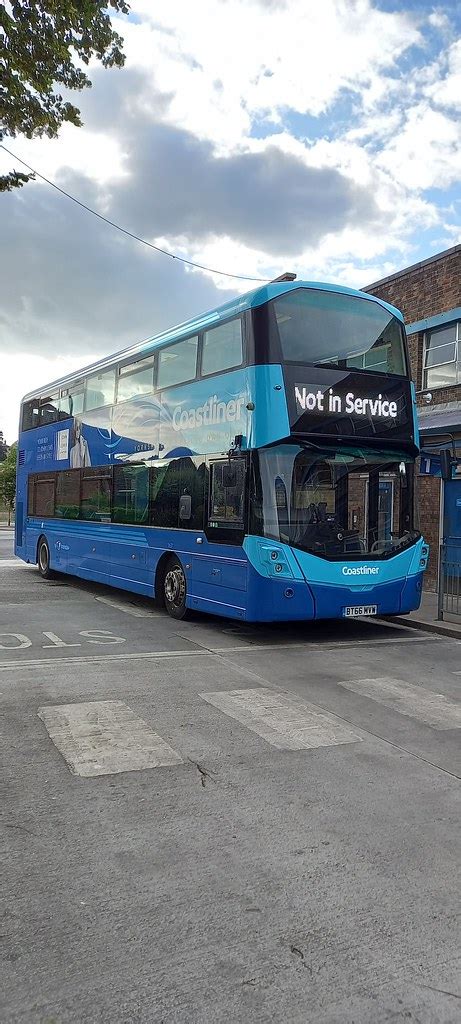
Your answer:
<point x="31" y="495"/>
<point x="96" y="494"/>
<point x="100" y="390"/>
<point x="227" y="494"/>
<point x="30" y="414"/>
<point x="177" y="363"/>
<point x="192" y="486"/>
<point x="41" y="495"/>
<point x="48" y="412"/>
<point x="222" y="347"/>
<point x="68" y="494"/>
<point x="164" y="494"/>
<point x="71" y="402"/>
<point x="131" y="494"/>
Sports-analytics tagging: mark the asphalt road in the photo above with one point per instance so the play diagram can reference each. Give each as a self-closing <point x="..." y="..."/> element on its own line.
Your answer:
<point x="224" y="823"/>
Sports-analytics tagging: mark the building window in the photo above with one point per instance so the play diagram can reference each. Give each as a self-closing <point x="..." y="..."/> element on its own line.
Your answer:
<point x="442" y="357"/>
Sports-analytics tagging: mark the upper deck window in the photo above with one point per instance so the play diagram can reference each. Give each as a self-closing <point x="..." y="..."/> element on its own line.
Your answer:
<point x="30" y="414"/>
<point x="135" y="379"/>
<point x="100" y="390"/>
<point x="177" y="363"/>
<point x="222" y="347"/>
<point x="49" y="410"/>
<point x="333" y="329"/>
<point x="71" y="401"/>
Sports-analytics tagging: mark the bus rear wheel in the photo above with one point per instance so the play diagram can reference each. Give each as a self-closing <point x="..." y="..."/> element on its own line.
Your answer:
<point x="174" y="590"/>
<point x="43" y="559"/>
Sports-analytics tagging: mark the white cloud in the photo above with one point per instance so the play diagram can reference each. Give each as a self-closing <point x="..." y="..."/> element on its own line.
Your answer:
<point x="257" y="60"/>
<point x="427" y="151"/>
<point x="249" y="135"/>
<point x="446" y="90"/>
<point x="98" y="155"/>
<point x="439" y="20"/>
<point x="21" y="374"/>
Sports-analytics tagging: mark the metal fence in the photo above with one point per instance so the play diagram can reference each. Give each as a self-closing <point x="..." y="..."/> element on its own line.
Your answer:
<point x="449" y="590"/>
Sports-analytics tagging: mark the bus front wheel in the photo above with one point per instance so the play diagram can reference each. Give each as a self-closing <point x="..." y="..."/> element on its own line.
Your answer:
<point x="174" y="590"/>
<point x="43" y="559"/>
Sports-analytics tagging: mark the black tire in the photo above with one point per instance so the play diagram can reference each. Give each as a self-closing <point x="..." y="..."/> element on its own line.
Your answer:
<point x="174" y="590"/>
<point x="43" y="559"/>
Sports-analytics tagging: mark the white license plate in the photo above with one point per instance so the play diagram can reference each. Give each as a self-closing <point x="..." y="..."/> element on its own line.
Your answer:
<point x="353" y="611"/>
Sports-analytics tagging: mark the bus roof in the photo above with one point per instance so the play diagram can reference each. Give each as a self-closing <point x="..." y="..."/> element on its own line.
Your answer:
<point x="250" y="300"/>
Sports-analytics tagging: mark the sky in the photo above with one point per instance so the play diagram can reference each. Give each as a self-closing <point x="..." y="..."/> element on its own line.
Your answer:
<point x="258" y="137"/>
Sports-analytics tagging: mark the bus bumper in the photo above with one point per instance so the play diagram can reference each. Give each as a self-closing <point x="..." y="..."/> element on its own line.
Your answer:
<point x="306" y="587"/>
<point x="274" y="600"/>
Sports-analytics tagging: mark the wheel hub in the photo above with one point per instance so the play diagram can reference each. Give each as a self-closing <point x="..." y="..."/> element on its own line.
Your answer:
<point x="175" y="586"/>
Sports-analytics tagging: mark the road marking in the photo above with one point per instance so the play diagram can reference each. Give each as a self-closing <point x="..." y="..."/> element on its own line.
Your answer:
<point x="433" y="709"/>
<point x="121" y="606"/>
<point x="24" y="641"/>
<point x="56" y="641"/>
<point x="284" y="720"/>
<point x="97" y="659"/>
<point x="336" y="643"/>
<point x="12" y="563"/>
<point x="104" y="738"/>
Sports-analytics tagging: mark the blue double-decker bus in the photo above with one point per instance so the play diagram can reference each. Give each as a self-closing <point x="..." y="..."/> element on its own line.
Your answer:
<point x="257" y="462"/>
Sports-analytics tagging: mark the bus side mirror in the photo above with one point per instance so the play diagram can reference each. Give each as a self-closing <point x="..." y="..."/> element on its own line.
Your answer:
<point x="185" y="506"/>
<point x="446" y="463"/>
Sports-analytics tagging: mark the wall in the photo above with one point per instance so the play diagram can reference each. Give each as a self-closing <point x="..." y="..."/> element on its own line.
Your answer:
<point x="428" y="511"/>
<point x="425" y="290"/>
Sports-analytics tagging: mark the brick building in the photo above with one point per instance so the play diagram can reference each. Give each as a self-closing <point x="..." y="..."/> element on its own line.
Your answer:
<point x="429" y="296"/>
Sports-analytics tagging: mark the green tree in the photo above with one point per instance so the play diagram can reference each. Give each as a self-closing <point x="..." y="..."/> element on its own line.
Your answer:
<point x="8" y="481"/>
<point x="3" y="447"/>
<point x="42" y="45"/>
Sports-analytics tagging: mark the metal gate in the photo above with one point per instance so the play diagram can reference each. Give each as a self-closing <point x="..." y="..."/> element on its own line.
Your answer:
<point x="449" y="600"/>
<point x="449" y="582"/>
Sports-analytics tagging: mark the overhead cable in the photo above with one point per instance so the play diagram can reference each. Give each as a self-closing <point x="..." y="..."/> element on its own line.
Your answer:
<point x="131" y="234"/>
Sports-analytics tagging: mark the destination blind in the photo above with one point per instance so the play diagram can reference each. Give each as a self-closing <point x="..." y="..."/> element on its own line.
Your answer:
<point x="348" y="404"/>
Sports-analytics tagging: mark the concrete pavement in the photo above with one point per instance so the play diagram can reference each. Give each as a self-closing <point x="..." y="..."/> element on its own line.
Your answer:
<point x="297" y="860"/>
<point x="426" y="618"/>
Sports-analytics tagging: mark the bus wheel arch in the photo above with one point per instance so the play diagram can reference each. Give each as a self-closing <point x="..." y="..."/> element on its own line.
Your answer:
<point x="43" y="558"/>
<point x="159" y="578"/>
<point x="171" y="587"/>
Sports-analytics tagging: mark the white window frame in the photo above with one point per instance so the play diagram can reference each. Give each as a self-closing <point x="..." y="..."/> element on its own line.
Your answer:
<point x="456" y="361"/>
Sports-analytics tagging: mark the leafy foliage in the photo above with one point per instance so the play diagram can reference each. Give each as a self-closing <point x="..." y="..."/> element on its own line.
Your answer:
<point x="8" y="480"/>
<point x="43" y="44"/>
<point x="3" y="447"/>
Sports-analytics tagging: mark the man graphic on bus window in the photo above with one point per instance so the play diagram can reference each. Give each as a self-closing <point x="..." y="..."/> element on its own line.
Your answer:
<point x="80" y="452"/>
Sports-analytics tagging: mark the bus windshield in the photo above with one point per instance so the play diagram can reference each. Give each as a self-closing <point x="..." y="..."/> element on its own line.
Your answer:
<point x="335" y="329"/>
<point x="336" y="504"/>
